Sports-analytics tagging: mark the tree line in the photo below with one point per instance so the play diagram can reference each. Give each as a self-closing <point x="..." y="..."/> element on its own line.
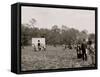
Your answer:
<point x="54" y="36"/>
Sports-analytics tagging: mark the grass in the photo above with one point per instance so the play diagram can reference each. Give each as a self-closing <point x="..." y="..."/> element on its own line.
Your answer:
<point x="52" y="58"/>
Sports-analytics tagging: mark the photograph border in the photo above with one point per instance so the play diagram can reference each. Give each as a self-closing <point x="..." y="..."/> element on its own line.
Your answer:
<point x="17" y="17"/>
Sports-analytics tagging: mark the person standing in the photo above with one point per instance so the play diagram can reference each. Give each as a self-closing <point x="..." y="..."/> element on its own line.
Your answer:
<point x="91" y="49"/>
<point x="78" y="49"/>
<point x="83" y="47"/>
<point x="39" y="46"/>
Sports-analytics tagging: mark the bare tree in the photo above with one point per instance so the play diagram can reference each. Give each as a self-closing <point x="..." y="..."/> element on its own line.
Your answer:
<point x="32" y="22"/>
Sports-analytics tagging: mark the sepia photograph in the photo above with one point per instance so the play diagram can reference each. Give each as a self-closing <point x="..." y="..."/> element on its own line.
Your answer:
<point x="57" y="38"/>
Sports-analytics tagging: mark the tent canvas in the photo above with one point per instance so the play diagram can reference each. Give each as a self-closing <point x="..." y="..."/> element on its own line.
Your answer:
<point x="35" y="41"/>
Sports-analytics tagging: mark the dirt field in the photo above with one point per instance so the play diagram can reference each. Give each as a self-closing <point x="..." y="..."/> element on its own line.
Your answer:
<point x="52" y="58"/>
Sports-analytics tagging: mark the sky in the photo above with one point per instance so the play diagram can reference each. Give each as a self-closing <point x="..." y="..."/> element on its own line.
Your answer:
<point x="48" y="17"/>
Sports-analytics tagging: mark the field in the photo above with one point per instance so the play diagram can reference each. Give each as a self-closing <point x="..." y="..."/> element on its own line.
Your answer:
<point x="52" y="58"/>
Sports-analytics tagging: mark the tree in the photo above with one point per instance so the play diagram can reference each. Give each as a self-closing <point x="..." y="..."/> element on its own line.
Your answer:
<point x="82" y="35"/>
<point x="69" y="36"/>
<point x="25" y="35"/>
<point x="64" y="28"/>
<point x="92" y="37"/>
<point x="32" y="22"/>
<point x="54" y="35"/>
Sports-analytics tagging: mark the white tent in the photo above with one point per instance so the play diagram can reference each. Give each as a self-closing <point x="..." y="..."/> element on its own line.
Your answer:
<point x="35" y="42"/>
